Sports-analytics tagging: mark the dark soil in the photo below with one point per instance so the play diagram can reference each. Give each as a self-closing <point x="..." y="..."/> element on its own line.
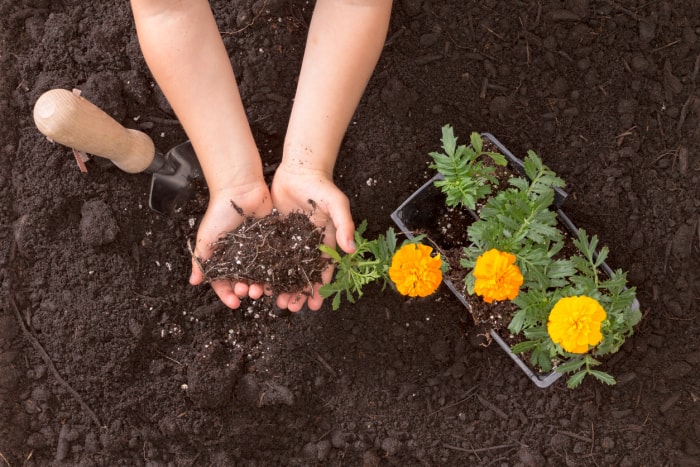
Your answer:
<point x="109" y="357"/>
<point x="280" y="251"/>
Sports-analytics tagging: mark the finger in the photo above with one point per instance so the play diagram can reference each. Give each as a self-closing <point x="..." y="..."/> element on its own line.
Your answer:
<point x="296" y="302"/>
<point x="224" y="289"/>
<point x="283" y="301"/>
<point x="291" y="302"/>
<point x="255" y="291"/>
<point x="240" y="289"/>
<point x="327" y="274"/>
<point x="344" y="227"/>
<point x="197" y="275"/>
<point x="315" y="301"/>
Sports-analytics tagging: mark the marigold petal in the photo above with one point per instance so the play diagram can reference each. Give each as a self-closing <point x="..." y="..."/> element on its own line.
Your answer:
<point x="414" y="271"/>
<point x="575" y="323"/>
<point x="496" y="276"/>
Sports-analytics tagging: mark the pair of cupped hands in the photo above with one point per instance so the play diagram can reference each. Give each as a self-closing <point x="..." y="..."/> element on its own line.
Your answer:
<point x="291" y="190"/>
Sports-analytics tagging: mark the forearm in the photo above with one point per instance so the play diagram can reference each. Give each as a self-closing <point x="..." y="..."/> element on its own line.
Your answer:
<point x="345" y="40"/>
<point x="182" y="47"/>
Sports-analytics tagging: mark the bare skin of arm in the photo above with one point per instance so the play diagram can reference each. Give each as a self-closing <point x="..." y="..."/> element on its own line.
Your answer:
<point x="186" y="55"/>
<point x="182" y="46"/>
<point x="343" y="46"/>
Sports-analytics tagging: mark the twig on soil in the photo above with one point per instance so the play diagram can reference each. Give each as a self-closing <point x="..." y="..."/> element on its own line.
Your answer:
<point x="484" y="88"/>
<point x="262" y="8"/>
<point x="325" y="364"/>
<point x="49" y="363"/>
<point x="660" y="125"/>
<point x="527" y="41"/>
<point x="672" y="152"/>
<point x="459" y="46"/>
<point x="475" y="450"/>
<point x="494" y="33"/>
<point x="2" y="456"/>
<point x="163" y="121"/>
<point x="575" y="435"/>
<point x="684" y="111"/>
<point x="300" y="18"/>
<point x="470" y="392"/>
<point x="670" y="44"/>
<point x="169" y="358"/>
<point x="472" y="33"/>
<point x="320" y="438"/>
<point x="491" y="406"/>
<point x="667" y="255"/>
<point x="696" y="70"/>
<point x="619" y="139"/>
<point x="627" y="12"/>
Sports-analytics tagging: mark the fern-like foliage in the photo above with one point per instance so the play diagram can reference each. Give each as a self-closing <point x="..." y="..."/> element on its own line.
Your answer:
<point x="468" y="178"/>
<point x="368" y="263"/>
<point x="520" y="220"/>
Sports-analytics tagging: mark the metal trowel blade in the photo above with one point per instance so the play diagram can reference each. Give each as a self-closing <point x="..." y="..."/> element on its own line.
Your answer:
<point x="172" y="183"/>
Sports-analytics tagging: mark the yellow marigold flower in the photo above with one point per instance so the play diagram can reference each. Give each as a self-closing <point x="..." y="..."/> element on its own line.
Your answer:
<point x="496" y="276"/>
<point x="414" y="271"/>
<point x="575" y="322"/>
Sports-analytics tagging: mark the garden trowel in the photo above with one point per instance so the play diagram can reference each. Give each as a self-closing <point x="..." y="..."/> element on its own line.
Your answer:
<point x="66" y="118"/>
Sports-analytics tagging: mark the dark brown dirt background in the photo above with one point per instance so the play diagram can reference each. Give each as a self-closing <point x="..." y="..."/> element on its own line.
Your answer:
<point x="605" y="91"/>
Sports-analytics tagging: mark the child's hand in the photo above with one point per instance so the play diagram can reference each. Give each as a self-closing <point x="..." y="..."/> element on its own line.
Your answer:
<point x="312" y="191"/>
<point x="220" y="218"/>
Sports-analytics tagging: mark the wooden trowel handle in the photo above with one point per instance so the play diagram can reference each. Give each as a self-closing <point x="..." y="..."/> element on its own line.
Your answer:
<point x="73" y="121"/>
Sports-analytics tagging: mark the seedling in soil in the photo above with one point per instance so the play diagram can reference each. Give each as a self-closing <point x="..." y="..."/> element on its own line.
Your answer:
<point x="468" y="173"/>
<point x="554" y="301"/>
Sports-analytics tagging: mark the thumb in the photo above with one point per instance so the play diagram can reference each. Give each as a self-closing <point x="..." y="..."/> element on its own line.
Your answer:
<point x="199" y="255"/>
<point x="345" y="229"/>
<point x="196" y="276"/>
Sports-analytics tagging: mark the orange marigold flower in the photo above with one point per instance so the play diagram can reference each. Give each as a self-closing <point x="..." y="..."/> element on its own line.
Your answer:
<point x="414" y="271"/>
<point x="575" y="322"/>
<point x="496" y="276"/>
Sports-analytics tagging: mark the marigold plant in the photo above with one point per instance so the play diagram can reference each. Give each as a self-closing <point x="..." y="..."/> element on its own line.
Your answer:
<point x="575" y="323"/>
<point x="496" y="276"/>
<point x="415" y="271"/>
<point x="569" y="308"/>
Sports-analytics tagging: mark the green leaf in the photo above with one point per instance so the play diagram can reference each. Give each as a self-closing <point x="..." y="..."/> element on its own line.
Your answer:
<point x="542" y="359"/>
<point x="477" y="143"/>
<point x="332" y="252"/>
<point x="516" y="323"/>
<point x="575" y="379"/>
<point x="603" y="377"/>
<point x="633" y="317"/>
<point x="524" y="346"/>
<point x="570" y="366"/>
<point x="497" y="158"/>
<point x="466" y="179"/>
<point x="449" y="142"/>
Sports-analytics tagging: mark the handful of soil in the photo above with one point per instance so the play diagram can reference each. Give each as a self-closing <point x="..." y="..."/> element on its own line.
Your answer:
<point x="281" y="251"/>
